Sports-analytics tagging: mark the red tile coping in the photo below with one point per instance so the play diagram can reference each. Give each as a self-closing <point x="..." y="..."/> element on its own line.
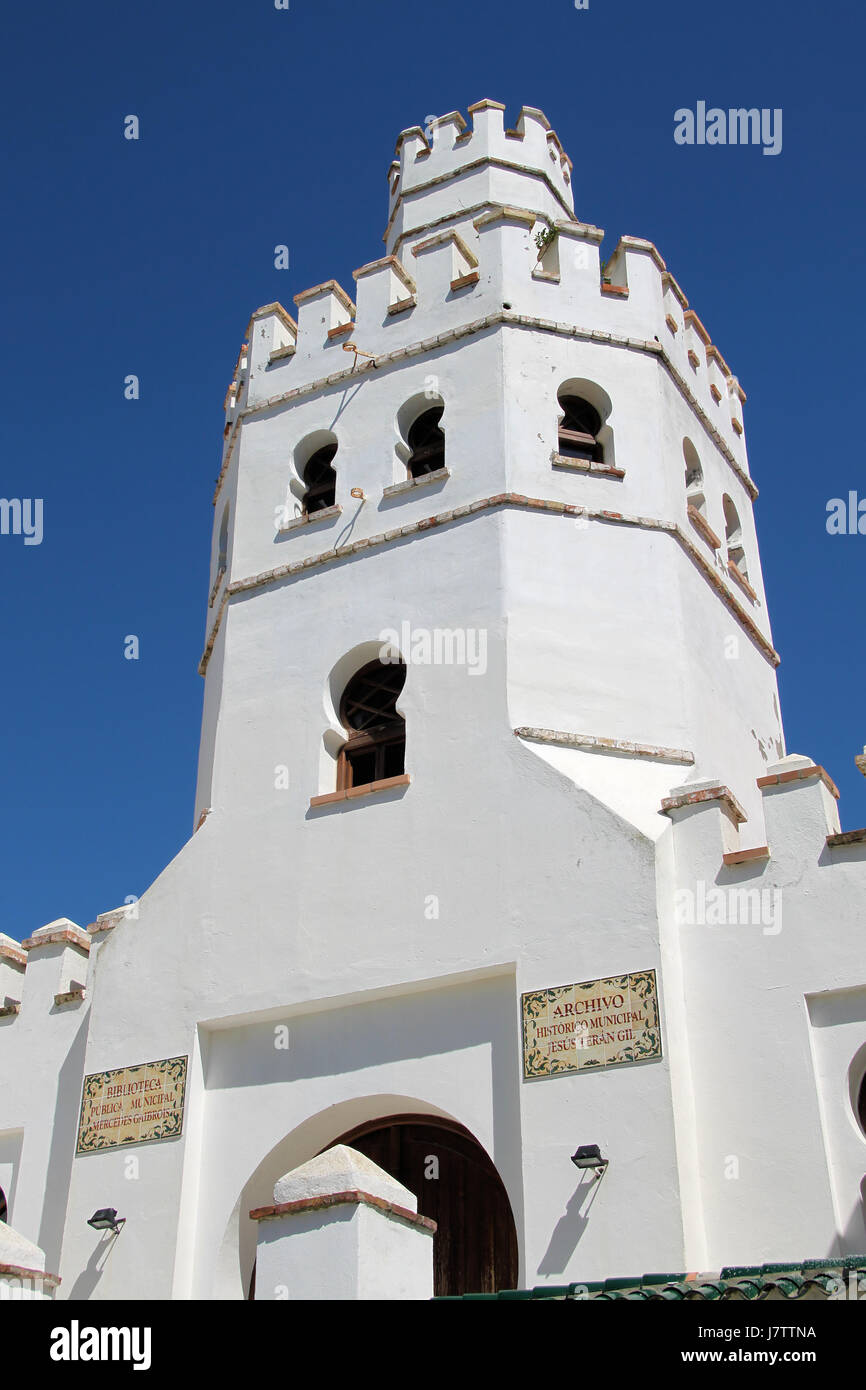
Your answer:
<point x="463" y="280"/>
<point x="401" y="305"/>
<point x="340" y="329"/>
<point x="746" y="856"/>
<point x="618" y="291"/>
<point x="701" y="524"/>
<point x="326" y="287"/>
<point x="737" y="575"/>
<point x="337" y="1199"/>
<point x="70" y="996"/>
<point x="9" y="1009"/>
<point x="21" y="1272"/>
<point x="10" y="953"/>
<point x="73" y="938"/>
<point x="800" y="774"/>
<point x="365" y="789"/>
<point x="597" y="470"/>
<point x="106" y="923"/>
<point x="720" y="793"/>
<point x="846" y="837"/>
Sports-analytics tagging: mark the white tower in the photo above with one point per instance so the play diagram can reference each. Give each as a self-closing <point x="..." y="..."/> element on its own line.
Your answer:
<point x="618" y="580"/>
<point x="490" y="712"/>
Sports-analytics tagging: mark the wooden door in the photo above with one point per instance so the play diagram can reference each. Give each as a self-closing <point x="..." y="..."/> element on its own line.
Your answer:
<point x="475" y="1246"/>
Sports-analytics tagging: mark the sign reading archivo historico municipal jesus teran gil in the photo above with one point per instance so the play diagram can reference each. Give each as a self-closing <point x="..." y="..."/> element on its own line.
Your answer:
<point x="132" y="1105"/>
<point x="598" y="1023"/>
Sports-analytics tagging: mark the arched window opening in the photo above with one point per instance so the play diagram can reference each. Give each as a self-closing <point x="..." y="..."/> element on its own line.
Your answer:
<point x="579" y="429"/>
<point x="376" y="746"/>
<point x="3" y="1207"/>
<point x="320" y="481"/>
<point x="426" y="441"/>
<point x="694" y="478"/>
<point x="222" y="557"/>
<point x="734" y="537"/>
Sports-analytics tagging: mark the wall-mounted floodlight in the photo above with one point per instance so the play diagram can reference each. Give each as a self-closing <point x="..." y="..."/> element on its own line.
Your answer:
<point x="589" y="1156"/>
<point x="106" y="1220"/>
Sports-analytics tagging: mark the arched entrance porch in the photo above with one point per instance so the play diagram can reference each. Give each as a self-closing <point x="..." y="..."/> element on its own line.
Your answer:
<point x="457" y="1185"/>
<point x="468" y="1200"/>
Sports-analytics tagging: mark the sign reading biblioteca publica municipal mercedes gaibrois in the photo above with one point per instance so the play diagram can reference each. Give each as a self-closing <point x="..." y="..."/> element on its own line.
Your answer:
<point x="132" y="1105"/>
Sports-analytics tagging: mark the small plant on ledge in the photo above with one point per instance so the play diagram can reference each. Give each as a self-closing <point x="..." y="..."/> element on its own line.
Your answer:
<point x="545" y="238"/>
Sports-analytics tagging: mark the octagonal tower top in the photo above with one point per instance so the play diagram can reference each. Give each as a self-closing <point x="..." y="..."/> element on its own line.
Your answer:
<point x="451" y="167"/>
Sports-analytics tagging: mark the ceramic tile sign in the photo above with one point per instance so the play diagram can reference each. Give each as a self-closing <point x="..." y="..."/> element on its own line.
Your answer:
<point x="132" y="1105"/>
<point x="598" y="1023"/>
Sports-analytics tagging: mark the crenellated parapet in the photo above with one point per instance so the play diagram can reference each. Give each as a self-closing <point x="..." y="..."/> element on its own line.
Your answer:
<point x="481" y="221"/>
<point x="800" y="806"/>
<point x="523" y="165"/>
<point x="50" y="968"/>
<point x="482" y="236"/>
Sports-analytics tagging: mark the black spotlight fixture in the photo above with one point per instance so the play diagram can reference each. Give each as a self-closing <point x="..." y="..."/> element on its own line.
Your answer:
<point x="106" y="1220"/>
<point x="589" y="1156"/>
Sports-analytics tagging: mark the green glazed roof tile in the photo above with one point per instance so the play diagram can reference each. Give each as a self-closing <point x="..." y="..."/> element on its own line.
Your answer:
<point x="787" y="1279"/>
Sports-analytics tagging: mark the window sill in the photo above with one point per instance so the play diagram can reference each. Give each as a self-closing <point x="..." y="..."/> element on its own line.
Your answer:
<point x="745" y="856"/>
<point x="596" y="470"/>
<point x="704" y="528"/>
<point x="463" y="280"/>
<point x="282" y="353"/>
<point x="846" y="837"/>
<point x="305" y="519"/>
<point x="70" y="996"/>
<point x="439" y="475"/>
<point x="739" y="578"/>
<point x="216" y="586"/>
<point x="366" y="789"/>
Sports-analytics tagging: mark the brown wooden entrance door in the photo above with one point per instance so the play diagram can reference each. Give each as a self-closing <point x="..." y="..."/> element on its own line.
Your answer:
<point x="475" y="1246"/>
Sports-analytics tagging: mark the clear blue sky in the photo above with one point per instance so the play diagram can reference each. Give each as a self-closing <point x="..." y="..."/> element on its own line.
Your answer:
<point x="260" y="127"/>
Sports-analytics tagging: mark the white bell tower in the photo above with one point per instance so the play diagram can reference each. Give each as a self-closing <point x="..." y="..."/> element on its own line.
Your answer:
<point x="610" y="553"/>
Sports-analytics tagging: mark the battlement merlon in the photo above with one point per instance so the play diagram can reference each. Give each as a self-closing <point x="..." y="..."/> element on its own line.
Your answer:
<point x="58" y="959"/>
<point x="526" y="167"/>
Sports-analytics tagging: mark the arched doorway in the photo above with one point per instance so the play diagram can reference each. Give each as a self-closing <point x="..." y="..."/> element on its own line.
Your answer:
<point x="457" y="1185"/>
